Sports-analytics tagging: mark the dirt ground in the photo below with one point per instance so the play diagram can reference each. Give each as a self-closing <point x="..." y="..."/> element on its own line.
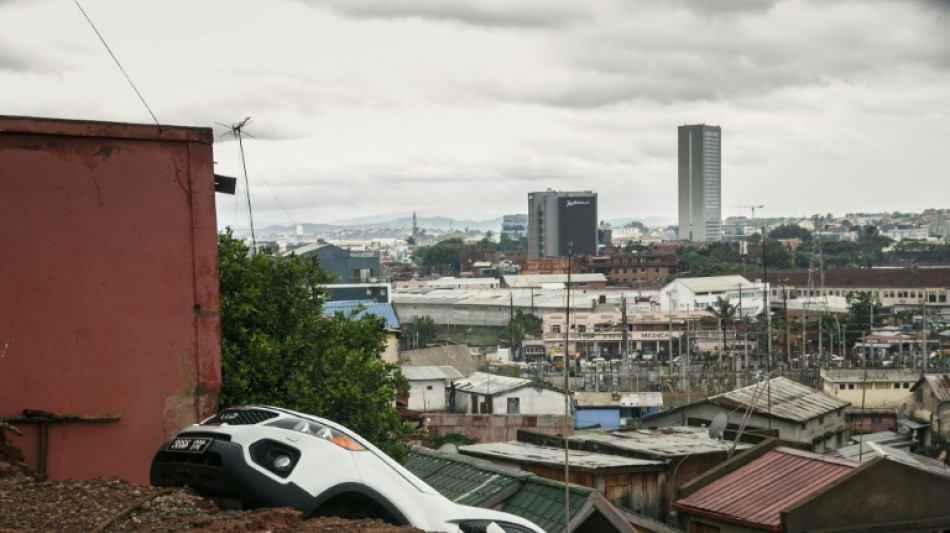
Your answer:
<point x="107" y="505"/>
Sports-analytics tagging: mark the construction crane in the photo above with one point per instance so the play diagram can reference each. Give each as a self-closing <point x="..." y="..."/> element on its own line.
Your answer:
<point x="752" y="207"/>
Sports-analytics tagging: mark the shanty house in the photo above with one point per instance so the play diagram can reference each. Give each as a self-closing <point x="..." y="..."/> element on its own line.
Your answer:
<point x="430" y="387"/>
<point x="488" y="393"/>
<point x="932" y="405"/>
<point x="870" y="387"/>
<point x="783" y="489"/>
<point x="685" y="452"/>
<point x="471" y="481"/>
<point x="778" y="407"/>
<point x="614" y="410"/>
<point x="629" y="482"/>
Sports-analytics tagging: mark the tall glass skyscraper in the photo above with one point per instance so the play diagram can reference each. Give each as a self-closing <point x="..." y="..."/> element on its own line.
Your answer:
<point x="700" y="194"/>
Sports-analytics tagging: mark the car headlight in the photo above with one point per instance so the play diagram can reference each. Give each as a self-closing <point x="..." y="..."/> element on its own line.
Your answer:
<point x="309" y="427"/>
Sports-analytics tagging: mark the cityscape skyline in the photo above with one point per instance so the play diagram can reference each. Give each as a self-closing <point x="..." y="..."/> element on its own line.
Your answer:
<point x="361" y="108"/>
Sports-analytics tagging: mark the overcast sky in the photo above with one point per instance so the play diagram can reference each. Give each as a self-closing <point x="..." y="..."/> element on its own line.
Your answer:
<point x="462" y="107"/>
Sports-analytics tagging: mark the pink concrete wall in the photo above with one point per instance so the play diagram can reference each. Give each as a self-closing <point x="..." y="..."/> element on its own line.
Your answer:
<point x="108" y="288"/>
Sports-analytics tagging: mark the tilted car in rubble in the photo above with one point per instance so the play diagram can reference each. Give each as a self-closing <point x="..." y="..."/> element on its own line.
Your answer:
<point x="261" y="456"/>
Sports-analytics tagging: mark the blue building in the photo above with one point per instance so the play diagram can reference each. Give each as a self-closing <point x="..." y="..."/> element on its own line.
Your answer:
<point x="349" y="266"/>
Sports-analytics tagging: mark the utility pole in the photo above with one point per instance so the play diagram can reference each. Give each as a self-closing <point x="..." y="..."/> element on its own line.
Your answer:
<point x="768" y="310"/>
<point x="567" y="393"/>
<point x="625" y="349"/>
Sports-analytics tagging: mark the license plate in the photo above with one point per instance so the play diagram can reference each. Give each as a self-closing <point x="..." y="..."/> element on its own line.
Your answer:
<point x="189" y="444"/>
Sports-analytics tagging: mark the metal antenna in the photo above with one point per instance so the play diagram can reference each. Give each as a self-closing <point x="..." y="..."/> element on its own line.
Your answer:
<point x="237" y="131"/>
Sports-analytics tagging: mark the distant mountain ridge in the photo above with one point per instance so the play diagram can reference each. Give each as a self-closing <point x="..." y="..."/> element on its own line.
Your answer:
<point x="430" y="224"/>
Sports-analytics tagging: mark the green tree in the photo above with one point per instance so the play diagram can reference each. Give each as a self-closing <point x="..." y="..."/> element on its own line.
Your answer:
<point x="790" y="231"/>
<point x="635" y="248"/>
<point x="516" y="327"/>
<point x="776" y="255"/>
<point x="418" y="332"/>
<point x="278" y="348"/>
<point x="506" y="244"/>
<point x="724" y="312"/>
<point x="862" y="310"/>
<point x="716" y="258"/>
<point x="443" y="253"/>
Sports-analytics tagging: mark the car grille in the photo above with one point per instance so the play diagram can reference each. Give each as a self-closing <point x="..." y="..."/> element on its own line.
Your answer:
<point x="237" y="417"/>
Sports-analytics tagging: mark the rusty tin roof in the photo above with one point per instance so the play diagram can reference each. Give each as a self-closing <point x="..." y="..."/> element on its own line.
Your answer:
<point x="757" y="493"/>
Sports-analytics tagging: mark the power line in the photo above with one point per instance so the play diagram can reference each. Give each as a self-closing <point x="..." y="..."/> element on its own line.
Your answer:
<point x="104" y="43"/>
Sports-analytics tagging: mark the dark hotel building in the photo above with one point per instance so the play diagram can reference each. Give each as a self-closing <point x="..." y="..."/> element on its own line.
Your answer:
<point x="557" y="218"/>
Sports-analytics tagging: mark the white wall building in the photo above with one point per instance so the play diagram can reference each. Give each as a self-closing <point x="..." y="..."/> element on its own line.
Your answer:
<point x="491" y="394"/>
<point x="428" y="386"/>
<point x="910" y="233"/>
<point x="682" y="294"/>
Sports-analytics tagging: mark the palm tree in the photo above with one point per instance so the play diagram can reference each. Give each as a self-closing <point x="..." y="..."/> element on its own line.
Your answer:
<point x="724" y="312"/>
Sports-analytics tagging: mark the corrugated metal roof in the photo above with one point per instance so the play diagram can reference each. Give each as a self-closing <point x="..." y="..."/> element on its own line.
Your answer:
<point x="491" y="384"/>
<point x="866" y="278"/>
<point x="551" y="300"/>
<point x="940" y="385"/>
<point x="477" y="482"/>
<point x="541" y="500"/>
<point x="666" y="442"/>
<point x="534" y="280"/>
<point x="307" y="248"/>
<point x="526" y="453"/>
<point x="456" y="356"/>
<point x="883" y="437"/>
<point x="756" y="493"/>
<point x="865" y="452"/>
<point x="424" y="373"/>
<point x="783" y="398"/>
<point x="464" y="480"/>
<point x="382" y="310"/>
<point x="712" y="283"/>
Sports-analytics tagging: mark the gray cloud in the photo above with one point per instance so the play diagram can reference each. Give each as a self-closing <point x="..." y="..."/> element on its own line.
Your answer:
<point x="666" y="55"/>
<point x="726" y="7"/>
<point x="487" y="13"/>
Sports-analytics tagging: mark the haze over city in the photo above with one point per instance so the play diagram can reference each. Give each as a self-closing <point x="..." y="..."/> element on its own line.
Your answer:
<point x="461" y="108"/>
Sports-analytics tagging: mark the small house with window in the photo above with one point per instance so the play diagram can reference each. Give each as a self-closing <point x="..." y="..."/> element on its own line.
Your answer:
<point x="430" y="387"/>
<point x="870" y="387"/>
<point x="483" y="393"/>
<point x="931" y="406"/>
<point x="778" y="407"/>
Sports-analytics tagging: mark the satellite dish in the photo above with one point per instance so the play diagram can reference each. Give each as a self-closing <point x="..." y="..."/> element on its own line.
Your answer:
<point x="718" y="425"/>
<point x="901" y="410"/>
<point x="449" y="447"/>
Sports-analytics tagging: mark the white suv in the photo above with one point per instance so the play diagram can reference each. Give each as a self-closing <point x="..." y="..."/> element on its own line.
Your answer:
<point x="260" y="456"/>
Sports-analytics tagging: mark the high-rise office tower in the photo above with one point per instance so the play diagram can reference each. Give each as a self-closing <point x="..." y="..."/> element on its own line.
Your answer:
<point x="515" y="228"/>
<point x="700" y="194"/>
<point x="559" y="220"/>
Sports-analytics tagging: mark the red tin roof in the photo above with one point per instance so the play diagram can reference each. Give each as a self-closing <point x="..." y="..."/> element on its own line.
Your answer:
<point x="755" y="494"/>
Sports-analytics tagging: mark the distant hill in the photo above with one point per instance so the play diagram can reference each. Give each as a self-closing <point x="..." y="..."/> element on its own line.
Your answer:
<point x="430" y="224"/>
